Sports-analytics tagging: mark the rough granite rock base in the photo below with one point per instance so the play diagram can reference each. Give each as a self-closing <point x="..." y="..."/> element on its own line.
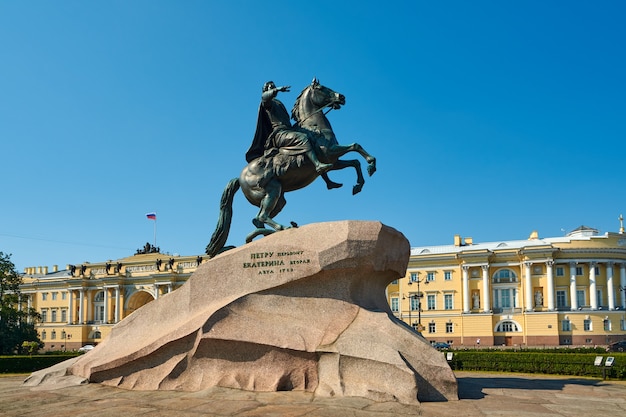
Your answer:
<point x="303" y="309"/>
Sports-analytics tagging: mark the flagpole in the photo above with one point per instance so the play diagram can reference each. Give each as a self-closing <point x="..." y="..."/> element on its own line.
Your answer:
<point x="153" y="216"/>
<point x="155" y="233"/>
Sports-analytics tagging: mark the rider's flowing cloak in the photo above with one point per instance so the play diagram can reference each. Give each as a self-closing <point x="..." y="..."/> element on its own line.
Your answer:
<point x="263" y="131"/>
<point x="291" y="141"/>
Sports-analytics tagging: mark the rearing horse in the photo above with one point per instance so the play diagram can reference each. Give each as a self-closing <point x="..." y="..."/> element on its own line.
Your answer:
<point x="265" y="180"/>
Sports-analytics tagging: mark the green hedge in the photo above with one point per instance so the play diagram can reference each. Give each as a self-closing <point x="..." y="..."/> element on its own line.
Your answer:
<point x="579" y="364"/>
<point x="26" y="364"/>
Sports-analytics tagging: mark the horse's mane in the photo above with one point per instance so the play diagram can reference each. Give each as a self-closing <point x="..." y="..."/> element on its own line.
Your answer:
<point x="296" y="111"/>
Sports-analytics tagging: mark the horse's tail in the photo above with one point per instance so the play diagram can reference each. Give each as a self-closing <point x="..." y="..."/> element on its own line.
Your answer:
<point x="218" y="240"/>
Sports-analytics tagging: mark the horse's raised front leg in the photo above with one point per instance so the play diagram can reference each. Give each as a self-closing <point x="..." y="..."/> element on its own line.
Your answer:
<point x="341" y="164"/>
<point x="340" y="150"/>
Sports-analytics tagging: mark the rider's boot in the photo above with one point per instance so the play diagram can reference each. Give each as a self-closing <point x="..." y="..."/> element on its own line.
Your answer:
<point x="320" y="167"/>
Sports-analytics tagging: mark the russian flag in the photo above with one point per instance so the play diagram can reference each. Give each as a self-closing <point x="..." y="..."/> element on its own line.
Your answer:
<point x="151" y="216"/>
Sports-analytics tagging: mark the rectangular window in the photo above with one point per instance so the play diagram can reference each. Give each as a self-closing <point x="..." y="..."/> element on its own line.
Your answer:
<point x="54" y="296"/>
<point x="449" y="327"/>
<point x="587" y="325"/>
<point x="431" y="299"/>
<point x="432" y="328"/>
<point x="560" y="272"/>
<point x="54" y="316"/>
<point x="415" y="302"/>
<point x="44" y="316"/>
<point x="430" y="276"/>
<point x="580" y="297"/>
<point x="394" y="304"/>
<point x="561" y="299"/>
<point x="64" y="316"/>
<point x="566" y="325"/>
<point x="44" y="296"/>
<point x="597" y="268"/>
<point x="99" y="314"/>
<point x="447" y="275"/>
<point x="505" y="298"/>
<point x="579" y="270"/>
<point x="448" y="302"/>
<point x="394" y="282"/>
<point x="64" y="295"/>
<point x="622" y="324"/>
<point x="607" y="325"/>
<point x="414" y="277"/>
<point x="599" y="297"/>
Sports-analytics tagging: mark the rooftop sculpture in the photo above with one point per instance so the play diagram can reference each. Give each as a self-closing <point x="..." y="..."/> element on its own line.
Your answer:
<point x="285" y="157"/>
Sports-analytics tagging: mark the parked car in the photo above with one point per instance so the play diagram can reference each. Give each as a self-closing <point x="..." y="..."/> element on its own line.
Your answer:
<point x="441" y="345"/>
<point x="86" y="348"/>
<point x="617" y="346"/>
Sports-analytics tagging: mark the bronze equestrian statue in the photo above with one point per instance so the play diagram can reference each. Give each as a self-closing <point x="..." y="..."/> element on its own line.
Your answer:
<point x="285" y="157"/>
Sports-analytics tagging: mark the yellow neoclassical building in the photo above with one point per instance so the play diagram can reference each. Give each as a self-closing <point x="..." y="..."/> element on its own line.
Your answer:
<point x="568" y="290"/>
<point x="80" y="304"/>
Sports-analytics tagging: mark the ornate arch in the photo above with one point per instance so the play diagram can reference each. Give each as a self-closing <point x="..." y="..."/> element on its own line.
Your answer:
<point x="138" y="299"/>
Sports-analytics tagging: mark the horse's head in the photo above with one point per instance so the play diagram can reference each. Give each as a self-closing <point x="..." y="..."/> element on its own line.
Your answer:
<point x="325" y="97"/>
<point x="314" y="98"/>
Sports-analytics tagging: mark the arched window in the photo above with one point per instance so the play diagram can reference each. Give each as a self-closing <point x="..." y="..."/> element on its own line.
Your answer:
<point x="507" y="326"/>
<point x="504" y="276"/>
<point x="505" y="291"/>
<point x="95" y="334"/>
<point x="98" y="308"/>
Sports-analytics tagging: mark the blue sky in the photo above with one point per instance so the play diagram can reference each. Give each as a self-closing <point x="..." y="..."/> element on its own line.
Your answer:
<point x="489" y="119"/>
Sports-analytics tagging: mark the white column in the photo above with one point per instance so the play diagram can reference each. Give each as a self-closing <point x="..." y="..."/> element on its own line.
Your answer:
<point x="70" y="307"/>
<point x="466" y="294"/>
<point x="622" y="283"/>
<point x="170" y="287"/>
<point x="551" y="292"/>
<point x="486" y="297"/>
<point x="610" y="288"/>
<point x="593" y="289"/>
<point x="30" y="305"/>
<point x="105" y="319"/>
<point x="156" y="291"/>
<point x="89" y="308"/>
<point x="81" y="307"/>
<point x="529" y="287"/>
<point x="117" y="304"/>
<point x="572" y="286"/>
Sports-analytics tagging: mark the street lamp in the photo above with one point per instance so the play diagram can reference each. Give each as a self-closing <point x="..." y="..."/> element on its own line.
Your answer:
<point x="417" y="297"/>
<point x="65" y="337"/>
<point x="411" y="297"/>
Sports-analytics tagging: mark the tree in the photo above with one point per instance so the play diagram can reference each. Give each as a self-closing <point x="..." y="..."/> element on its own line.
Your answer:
<point x="15" y="326"/>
